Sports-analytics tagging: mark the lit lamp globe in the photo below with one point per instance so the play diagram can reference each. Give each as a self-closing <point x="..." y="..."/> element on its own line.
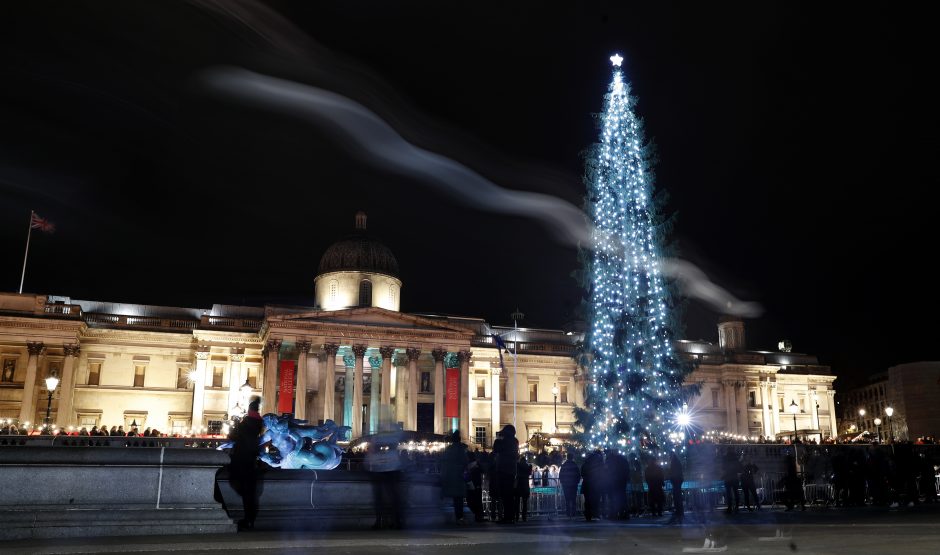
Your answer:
<point x="889" y="411"/>
<point x="861" y="412"/>
<point x="877" y="422"/>
<point x="51" y="383"/>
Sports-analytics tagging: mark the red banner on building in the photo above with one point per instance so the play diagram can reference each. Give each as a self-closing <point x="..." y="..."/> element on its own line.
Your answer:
<point x="452" y="393"/>
<point x="285" y="398"/>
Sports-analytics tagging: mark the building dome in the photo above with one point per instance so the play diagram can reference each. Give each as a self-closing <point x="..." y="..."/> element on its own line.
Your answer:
<point x="358" y="253"/>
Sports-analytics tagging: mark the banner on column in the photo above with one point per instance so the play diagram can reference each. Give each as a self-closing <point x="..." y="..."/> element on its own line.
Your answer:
<point x="285" y="400"/>
<point x="452" y="392"/>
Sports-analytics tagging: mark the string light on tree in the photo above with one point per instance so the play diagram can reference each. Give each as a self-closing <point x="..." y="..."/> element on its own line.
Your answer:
<point x="636" y="376"/>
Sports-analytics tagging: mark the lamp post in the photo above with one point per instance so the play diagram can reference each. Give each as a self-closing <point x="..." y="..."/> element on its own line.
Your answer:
<point x="878" y="429"/>
<point x="555" y="398"/>
<point x="51" y="383"/>
<point x="888" y="412"/>
<point x="861" y="416"/>
<point x="794" y="408"/>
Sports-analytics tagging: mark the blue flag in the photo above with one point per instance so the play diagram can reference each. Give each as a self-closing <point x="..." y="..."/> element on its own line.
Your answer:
<point x="500" y="347"/>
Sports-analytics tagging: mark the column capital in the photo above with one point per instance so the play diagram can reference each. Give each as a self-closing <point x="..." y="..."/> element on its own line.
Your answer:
<point x="464" y="356"/>
<point x="303" y="346"/>
<point x="272" y="345"/>
<point x="386" y="352"/>
<point x="35" y="347"/>
<point x="773" y="385"/>
<point x="439" y="353"/>
<point x="830" y="393"/>
<point x="330" y="349"/>
<point x="412" y="353"/>
<point x="71" y="349"/>
<point x="359" y="350"/>
<point x="202" y="352"/>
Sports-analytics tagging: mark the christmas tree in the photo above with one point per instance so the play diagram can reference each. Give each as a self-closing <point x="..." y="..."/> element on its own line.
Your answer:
<point x="634" y="398"/>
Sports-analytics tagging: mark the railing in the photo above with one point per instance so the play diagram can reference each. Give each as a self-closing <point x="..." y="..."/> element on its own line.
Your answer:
<point x="71" y="310"/>
<point x="226" y="322"/>
<point x="140" y="321"/>
<point x="526" y="346"/>
<point x="112" y="441"/>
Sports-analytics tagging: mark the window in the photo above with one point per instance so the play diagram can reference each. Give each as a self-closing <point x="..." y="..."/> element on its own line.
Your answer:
<point x="253" y="377"/>
<point x="481" y="388"/>
<point x="780" y="403"/>
<point x="179" y="426"/>
<point x="94" y="373"/>
<point x="502" y="389"/>
<point x="182" y="378"/>
<point x="217" y="376"/>
<point x="533" y="392"/>
<point x="479" y="435"/>
<point x="215" y="427"/>
<point x="563" y="393"/>
<point x="365" y="293"/>
<point x="752" y="399"/>
<point x="9" y="369"/>
<point x="334" y="289"/>
<point x="139" y="370"/>
<point x="714" y="398"/>
<point x="88" y="421"/>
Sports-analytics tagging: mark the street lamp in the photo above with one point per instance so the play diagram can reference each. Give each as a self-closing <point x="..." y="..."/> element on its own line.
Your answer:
<point x="794" y="408"/>
<point x="555" y="397"/>
<point x="51" y="383"/>
<point x="878" y="429"/>
<point x="861" y="416"/>
<point x="889" y="412"/>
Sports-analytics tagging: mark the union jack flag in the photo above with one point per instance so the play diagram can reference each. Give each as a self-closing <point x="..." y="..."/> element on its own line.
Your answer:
<point x="42" y="224"/>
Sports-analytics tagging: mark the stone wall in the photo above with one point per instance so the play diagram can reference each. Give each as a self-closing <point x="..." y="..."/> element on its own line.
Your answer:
<point x="102" y="491"/>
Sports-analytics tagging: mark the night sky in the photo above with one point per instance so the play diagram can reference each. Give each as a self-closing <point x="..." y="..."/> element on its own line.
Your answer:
<point x="797" y="144"/>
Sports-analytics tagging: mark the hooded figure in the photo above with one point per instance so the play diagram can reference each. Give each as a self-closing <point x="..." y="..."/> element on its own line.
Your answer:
<point x="506" y="450"/>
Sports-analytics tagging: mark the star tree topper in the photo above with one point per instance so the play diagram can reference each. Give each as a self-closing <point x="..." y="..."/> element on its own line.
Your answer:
<point x="616" y="59"/>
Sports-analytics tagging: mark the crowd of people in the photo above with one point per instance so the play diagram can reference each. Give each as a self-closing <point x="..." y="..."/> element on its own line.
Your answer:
<point x="13" y="429"/>
<point x="611" y="484"/>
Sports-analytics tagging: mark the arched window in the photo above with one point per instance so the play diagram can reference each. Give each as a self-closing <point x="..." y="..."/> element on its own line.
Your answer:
<point x="334" y="289"/>
<point x="365" y="293"/>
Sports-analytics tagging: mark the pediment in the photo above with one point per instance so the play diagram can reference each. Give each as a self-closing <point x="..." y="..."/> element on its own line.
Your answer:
<point x="370" y="317"/>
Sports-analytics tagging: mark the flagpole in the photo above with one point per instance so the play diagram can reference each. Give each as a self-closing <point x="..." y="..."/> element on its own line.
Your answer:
<point x="26" y="254"/>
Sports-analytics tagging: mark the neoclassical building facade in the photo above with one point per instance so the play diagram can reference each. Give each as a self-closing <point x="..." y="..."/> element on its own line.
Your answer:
<point x="353" y="357"/>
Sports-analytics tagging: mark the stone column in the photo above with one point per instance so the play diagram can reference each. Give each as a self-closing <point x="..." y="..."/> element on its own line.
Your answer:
<point x="329" y="381"/>
<point x="730" y="416"/>
<point x="465" y="394"/>
<point x="28" y="405"/>
<point x="300" y="393"/>
<point x="359" y="351"/>
<point x="386" y="391"/>
<point x="67" y="386"/>
<point x="401" y="381"/>
<point x="813" y="401"/>
<point x="199" y="387"/>
<point x="316" y="371"/>
<point x="833" y="430"/>
<point x="744" y="409"/>
<point x="412" y="353"/>
<point x="235" y="380"/>
<point x="439" y="425"/>
<point x="269" y="389"/>
<point x="375" y="365"/>
<point x="494" y="403"/>
<point x="774" y="408"/>
<point x="765" y="409"/>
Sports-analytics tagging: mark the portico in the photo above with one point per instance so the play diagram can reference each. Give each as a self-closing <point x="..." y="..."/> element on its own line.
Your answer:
<point x="374" y="367"/>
